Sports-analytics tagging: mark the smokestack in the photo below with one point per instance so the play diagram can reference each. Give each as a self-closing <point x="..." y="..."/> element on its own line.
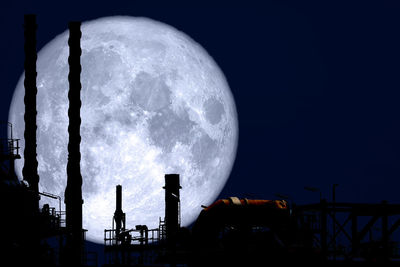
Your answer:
<point x="29" y="170"/>
<point x="118" y="198"/>
<point x="73" y="191"/>
<point x="172" y="206"/>
<point x="119" y="215"/>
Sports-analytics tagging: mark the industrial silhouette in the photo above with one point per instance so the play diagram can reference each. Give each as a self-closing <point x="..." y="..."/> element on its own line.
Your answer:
<point x="73" y="191"/>
<point x="230" y="232"/>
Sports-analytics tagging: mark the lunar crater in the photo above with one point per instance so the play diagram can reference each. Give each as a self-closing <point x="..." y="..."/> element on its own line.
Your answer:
<point x="214" y="110"/>
<point x="101" y="61"/>
<point x="166" y="129"/>
<point x="149" y="92"/>
<point x="204" y="149"/>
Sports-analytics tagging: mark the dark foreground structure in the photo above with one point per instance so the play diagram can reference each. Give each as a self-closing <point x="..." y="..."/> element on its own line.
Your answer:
<point x="249" y="232"/>
<point x="34" y="236"/>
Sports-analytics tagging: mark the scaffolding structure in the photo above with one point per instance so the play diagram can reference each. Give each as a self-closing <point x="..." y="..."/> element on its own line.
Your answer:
<point x="9" y="152"/>
<point x="131" y="246"/>
<point x="142" y="245"/>
<point x="352" y="231"/>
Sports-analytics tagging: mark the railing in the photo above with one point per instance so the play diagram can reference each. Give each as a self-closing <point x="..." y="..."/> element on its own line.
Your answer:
<point x="109" y="238"/>
<point x="132" y="237"/>
<point x="9" y="147"/>
<point x="161" y="229"/>
<point x="62" y="216"/>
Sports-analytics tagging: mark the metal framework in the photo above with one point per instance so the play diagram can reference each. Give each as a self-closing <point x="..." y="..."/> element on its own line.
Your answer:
<point x="352" y="231"/>
<point x="134" y="246"/>
<point x="9" y="152"/>
<point x="142" y="245"/>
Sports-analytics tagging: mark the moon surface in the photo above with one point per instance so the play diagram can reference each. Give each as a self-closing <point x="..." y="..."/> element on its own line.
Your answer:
<point x="153" y="102"/>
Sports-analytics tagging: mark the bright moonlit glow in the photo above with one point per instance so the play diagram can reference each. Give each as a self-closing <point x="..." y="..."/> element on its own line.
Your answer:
<point x="153" y="102"/>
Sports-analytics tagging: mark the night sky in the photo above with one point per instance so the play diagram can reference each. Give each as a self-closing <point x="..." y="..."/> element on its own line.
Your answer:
<point x="316" y="86"/>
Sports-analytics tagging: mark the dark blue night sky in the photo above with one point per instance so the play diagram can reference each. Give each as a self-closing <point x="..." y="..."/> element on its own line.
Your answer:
<point x="316" y="85"/>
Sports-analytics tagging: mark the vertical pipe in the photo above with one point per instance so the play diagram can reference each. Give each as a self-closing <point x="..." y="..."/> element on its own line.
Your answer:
<point x="73" y="191"/>
<point x="30" y="164"/>
<point x="385" y="232"/>
<point x="119" y="216"/>
<point x="324" y="230"/>
<point x="119" y="198"/>
<point x="354" y="233"/>
<point x="334" y="220"/>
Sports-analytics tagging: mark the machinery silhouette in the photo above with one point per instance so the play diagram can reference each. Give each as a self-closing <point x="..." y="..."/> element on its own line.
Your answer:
<point x="230" y="232"/>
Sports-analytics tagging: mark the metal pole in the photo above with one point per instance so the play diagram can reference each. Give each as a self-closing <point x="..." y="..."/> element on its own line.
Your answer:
<point x="334" y="219"/>
<point x="385" y="232"/>
<point x="324" y="232"/>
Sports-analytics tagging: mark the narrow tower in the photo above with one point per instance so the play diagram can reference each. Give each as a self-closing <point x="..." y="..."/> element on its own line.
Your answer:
<point x="73" y="191"/>
<point x="172" y="206"/>
<point x="119" y="215"/>
<point x="29" y="170"/>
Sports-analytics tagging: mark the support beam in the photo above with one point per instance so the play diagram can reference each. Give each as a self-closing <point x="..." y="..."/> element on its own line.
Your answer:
<point x="385" y="233"/>
<point x="324" y="229"/>
<point x="394" y="227"/>
<point x="368" y="226"/>
<point x="354" y="233"/>
<point x="341" y="229"/>
<point x="354" y="212"/>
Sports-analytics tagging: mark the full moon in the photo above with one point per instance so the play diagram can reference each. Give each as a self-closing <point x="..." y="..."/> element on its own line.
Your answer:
<point x="153" y="102"/>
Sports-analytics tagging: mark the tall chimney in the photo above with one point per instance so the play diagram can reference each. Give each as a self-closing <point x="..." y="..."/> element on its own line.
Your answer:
<point x="29" y="170"/>
<point x="73" y="191"/>
<point x="172" y="206"/>
<point x="119" y="215"/>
